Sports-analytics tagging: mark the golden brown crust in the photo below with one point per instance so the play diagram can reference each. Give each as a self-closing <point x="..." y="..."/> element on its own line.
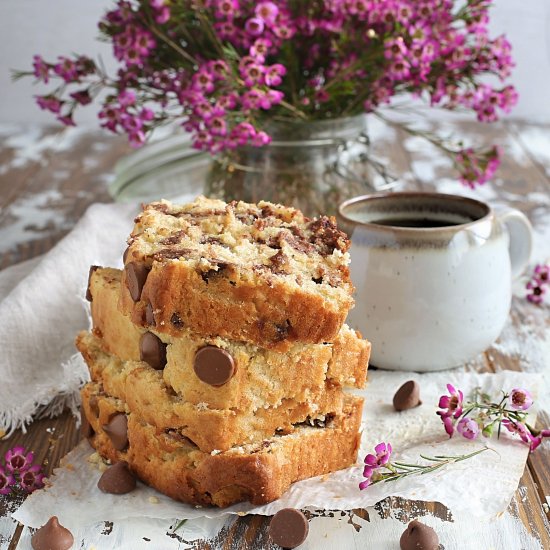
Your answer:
<point x="257" y="273"/>
<point x="144" y="391"/>
<point x="264" y="314"/>
<point x="259" y="473"/>
<point x="262" y="377"/>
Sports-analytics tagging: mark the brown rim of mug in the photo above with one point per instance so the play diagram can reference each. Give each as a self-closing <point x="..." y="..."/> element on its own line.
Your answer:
<point x="414" y="194"/>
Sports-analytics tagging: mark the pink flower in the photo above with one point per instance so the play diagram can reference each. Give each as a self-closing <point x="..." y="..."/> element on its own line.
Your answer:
<point x="395" y="48"/>
<point x="383" y="453"/>
<point x="144" y="42"/>
<point x="162" y="11"/>
<point x="127" y="97"/>
<point x="520" y="399"/>
<point x="267" y="12"/>
<point x="227" y="8"/>
<point x="252" y="74"/>
<point x="260" y="139"/>
<point x="146" y="114"/>
<point x="67" y="120"/>
<point x="41" y="69"/>
<point x="536" y="296"/>
<point x="539" y="283"/>
<point x="32" y="479"/>
<point x="66" y="69"/>
<point x="49" y="103"/>
<point x="542" y="273"/>
<point x="254" y="26"/>
<point x="82" y="97"/>
<point x="453" y="402"/>
<point x="260" y="47"/>
<point x="6" y="481"/>
<point x="203" y="81"/>
<point x="372" y="462"/>
<point x="468" y="428"/>
<point x="274" y="73"/>
<point x="18" y="460"/>
<point x="448" y="424"/>
<point x="518" y="428"/>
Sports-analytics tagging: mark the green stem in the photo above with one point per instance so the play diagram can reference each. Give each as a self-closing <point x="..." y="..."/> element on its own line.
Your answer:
<point x="399" y="470"/>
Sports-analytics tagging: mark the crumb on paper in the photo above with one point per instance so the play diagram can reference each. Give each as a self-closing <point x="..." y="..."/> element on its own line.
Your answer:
<point x="94" y="458"/>
<point x="241" y="514"/>
<point x="69" y="467"/>
<point x="153" y="500"/>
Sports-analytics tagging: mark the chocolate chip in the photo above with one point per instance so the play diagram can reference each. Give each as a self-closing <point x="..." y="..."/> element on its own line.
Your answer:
<point x="117" y="479"/>
<point x="152" y="350"/>
<point x="281" y="331"/>
<point x="136" y="275"/>
<point x="149" y="315"/>
<point x="418" y="536"/>
<point x="288" y="528"/>
<point x="117" y="430"/>
<point x="407" y="396"/>
<point x="214" y="365"/>
<point x="86" y="429"/>
<point x="176" y="320"/>
<point x="89" y="296"/>
<point x="52" y="536"/>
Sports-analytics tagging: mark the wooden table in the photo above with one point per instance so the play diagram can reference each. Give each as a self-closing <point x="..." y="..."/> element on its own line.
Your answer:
<point x="48" y="178"/>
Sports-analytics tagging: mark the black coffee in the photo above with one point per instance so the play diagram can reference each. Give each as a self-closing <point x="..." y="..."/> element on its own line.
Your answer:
<point x="416" y="222"/>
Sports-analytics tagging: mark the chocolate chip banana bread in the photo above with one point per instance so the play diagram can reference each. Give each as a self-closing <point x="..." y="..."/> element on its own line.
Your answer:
<point x="261" y="273"/>
<point x="254" y="377"/>
<point x="146" y="394"/>
<point x="260" y="472"/>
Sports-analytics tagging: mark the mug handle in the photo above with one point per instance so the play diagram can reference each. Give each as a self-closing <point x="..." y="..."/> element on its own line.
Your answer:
<point x="520" y="231"/>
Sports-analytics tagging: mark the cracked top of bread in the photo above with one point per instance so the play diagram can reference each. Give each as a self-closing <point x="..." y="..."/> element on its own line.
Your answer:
<point x="260" y="252"/>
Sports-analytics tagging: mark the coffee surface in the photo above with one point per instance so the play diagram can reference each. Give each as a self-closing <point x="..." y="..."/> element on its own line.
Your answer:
<point x="421" y="221"/>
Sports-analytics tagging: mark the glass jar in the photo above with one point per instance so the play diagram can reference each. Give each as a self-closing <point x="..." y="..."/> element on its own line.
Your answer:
<point x="313" y="166"/>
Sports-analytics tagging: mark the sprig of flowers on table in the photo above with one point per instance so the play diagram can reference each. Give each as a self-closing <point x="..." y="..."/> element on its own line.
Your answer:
<point x="19" y="473"/>
<point x="224" y="69"/>
<point x="468" y="418"/>
<point x="481" y="415"/>
<point x="538" y="284"/>
<point x="378" y="467"/>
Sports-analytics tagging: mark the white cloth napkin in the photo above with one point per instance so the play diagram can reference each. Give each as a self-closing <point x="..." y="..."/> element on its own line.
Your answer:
<point x="41" y="311"/>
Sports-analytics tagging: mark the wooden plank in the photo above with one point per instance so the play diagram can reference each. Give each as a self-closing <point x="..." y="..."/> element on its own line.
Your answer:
<point x="42" y="195"/>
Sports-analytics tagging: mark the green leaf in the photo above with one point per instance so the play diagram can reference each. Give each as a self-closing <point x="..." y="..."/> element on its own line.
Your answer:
<point x="179" y="525"/>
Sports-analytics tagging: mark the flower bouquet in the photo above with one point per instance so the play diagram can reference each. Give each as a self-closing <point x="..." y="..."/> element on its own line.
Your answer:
<point x="246" y="79"/>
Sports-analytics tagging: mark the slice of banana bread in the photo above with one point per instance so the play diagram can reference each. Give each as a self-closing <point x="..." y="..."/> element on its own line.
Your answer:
<point x="260" y="378"/>
<point x="261" y="273"/>
<point x="259" y="472"/>
<point x="146" y="394"/>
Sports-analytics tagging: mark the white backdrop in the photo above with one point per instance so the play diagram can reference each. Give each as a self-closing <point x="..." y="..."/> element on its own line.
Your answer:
<point x="53" y="27"/>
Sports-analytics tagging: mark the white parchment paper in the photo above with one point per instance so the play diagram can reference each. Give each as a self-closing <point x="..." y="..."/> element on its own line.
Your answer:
<point x="481" y="487"/>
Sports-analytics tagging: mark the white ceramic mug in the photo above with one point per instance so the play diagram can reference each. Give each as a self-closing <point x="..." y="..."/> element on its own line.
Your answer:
<point x="433" y="275"/>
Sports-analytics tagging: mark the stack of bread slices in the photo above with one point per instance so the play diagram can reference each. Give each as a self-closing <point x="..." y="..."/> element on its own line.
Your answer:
<point x="219" y="354"/>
